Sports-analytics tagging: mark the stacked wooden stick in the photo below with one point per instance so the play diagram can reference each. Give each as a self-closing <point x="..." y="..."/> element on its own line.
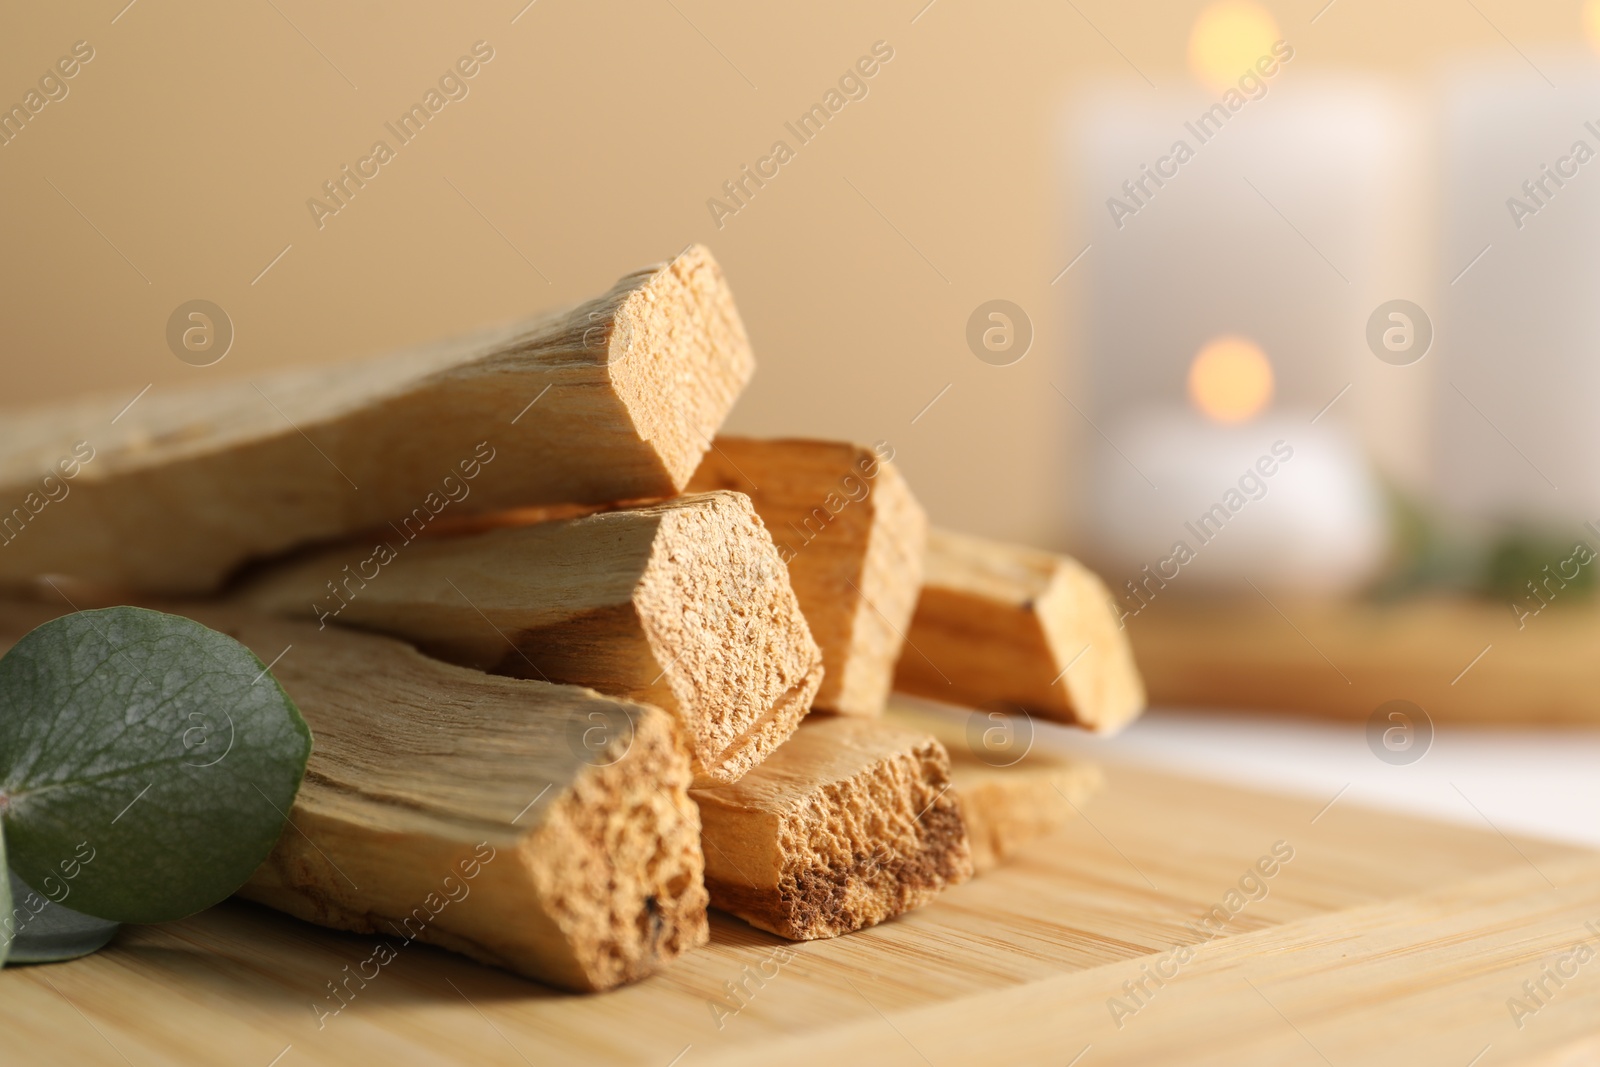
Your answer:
<point x="549" y="628"/>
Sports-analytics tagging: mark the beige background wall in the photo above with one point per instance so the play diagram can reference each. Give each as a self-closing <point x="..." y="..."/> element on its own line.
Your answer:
<point x="592" y="141"/>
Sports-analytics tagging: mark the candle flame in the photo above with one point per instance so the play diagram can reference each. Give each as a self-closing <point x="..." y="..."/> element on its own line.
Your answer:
<point x="1227" y="39"/>
<point x="1230" y="379"/>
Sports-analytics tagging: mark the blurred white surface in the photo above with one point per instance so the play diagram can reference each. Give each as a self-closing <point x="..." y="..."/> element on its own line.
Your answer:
<point x="1538" y="783"/>
<point x="1285" y="503"/>
<point x="1311" y="207"/>
<point x="1529" y="294"/>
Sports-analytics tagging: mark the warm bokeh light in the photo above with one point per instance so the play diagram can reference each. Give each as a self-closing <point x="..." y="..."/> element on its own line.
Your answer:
<point x="1591" y="23"/>
<point x="1230" y="379"/>
<point x="1227" y="39"/>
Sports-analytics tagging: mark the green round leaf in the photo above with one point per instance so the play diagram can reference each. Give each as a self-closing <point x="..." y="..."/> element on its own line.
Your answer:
<point x="147" y="764"/>
<point x="49" y="933"/>
<point x="8" y="923"/>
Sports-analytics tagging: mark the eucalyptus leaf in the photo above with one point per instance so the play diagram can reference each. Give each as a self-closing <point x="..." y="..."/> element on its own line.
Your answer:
<point x="147" y="763"/>
<point x="7" y="923"/>
<point x="49" y="933"/>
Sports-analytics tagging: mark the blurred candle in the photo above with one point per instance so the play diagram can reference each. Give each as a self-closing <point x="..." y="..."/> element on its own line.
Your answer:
<point x="1277" y="500"/>
<point x="1280" y="211"/>
<point x="1518" y="437"/>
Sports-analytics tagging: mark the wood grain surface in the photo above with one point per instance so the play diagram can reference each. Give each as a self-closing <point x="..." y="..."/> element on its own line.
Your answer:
<point x="999" y="624"/>
<point x="845" y="522"/>
<point x="684" y="604"/>
<point x="1010" y="790"/>
<point x="173" y="492"/>
<point x="542" y="828"/>
<point x="850" y="822"/>
<point x="1385" y="938"/>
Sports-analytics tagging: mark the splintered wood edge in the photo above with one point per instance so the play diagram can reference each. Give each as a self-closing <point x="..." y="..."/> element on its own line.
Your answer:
<point x="1004" y="805"/>
<point x="679" y="357"/>
<point x="890" y="580"/>
<point x="1004" y="622"/>
<point x="604" y="889"/>
<point x="850" y="823"/>
<point x="684" y="604"/>
<point x="1005" y="808"/>
<point x="629" y="895"/>
<point x="1091" y="648"/>
<point x="596" y="882"/>
<point x="667" y="337"/>
<point x="744" y="668"/>
<point x="199" y="480"/>
<point x="873" y="541"/>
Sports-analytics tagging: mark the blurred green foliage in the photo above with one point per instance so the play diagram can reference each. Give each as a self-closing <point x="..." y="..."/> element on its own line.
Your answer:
<point x="1431" y="555"/>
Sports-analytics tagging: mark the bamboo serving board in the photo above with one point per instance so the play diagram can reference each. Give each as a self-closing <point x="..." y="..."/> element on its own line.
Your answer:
<point x="1386" y="939"/>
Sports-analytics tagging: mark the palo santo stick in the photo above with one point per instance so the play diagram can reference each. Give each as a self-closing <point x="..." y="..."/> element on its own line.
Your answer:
<point x="474" y="812"/>
<point x="853" y="537"/>
<point x="1004" y="804"/>
<point x="850" y="531"/>
<point x="999" y="622"/>
<point x="683" y="604"/>
<point x="188" y="483"/>
<point x="1007" y="807"/>
<point x="850" y="823"/>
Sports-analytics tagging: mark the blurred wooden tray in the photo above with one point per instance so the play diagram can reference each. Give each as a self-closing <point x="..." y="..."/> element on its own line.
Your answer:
<point x="1463" y="661"/>
<point x="1385" y="939"/>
